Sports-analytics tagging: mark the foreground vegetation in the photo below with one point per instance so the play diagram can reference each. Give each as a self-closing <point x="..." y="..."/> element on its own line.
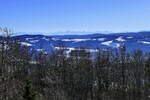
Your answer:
<point x="110" y="75"/>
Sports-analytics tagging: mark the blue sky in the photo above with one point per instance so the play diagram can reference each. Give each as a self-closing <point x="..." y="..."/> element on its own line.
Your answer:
<point x="75" y="15"/>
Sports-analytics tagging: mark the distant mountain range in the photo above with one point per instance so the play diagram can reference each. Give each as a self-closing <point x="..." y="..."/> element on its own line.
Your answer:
<point x="132" y="41"/>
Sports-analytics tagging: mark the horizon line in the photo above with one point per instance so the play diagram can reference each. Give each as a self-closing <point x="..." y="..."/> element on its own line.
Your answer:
<point x="87" y="33"/>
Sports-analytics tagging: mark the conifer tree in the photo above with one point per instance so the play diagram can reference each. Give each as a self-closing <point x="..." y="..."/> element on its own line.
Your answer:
<point x="29" y="93"/>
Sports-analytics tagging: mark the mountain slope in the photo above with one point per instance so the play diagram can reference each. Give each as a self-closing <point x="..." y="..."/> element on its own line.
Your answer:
<point x="132" y="41"/>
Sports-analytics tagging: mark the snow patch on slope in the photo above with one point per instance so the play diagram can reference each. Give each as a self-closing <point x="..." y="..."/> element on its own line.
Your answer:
<point x="75" y="40"/>
<point x="120" y="39"/>
<point x="27" y="39"/>
<point x="55" y="39"/>
<point x="69" y="49"/>
<point x="144" y="42"/>
<point x="117" y="45"/>
<point x="26" y="44"/>
<point x="129" y="37"/>
<point x="107" y="43"/>
<point x="34" y="41"/>
<point x="101" y="39"/>
<point x="44" y="38"/>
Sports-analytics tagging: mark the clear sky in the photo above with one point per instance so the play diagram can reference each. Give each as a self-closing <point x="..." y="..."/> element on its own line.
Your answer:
<point x="75" y="15"/>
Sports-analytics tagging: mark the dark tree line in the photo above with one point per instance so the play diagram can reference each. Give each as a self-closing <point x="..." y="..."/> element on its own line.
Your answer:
<point x="110" y="75"/>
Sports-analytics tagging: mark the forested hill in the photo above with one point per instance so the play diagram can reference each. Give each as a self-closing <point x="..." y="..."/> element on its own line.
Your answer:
<point x="132" y="41"/>
<point x="55" y="76"/>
